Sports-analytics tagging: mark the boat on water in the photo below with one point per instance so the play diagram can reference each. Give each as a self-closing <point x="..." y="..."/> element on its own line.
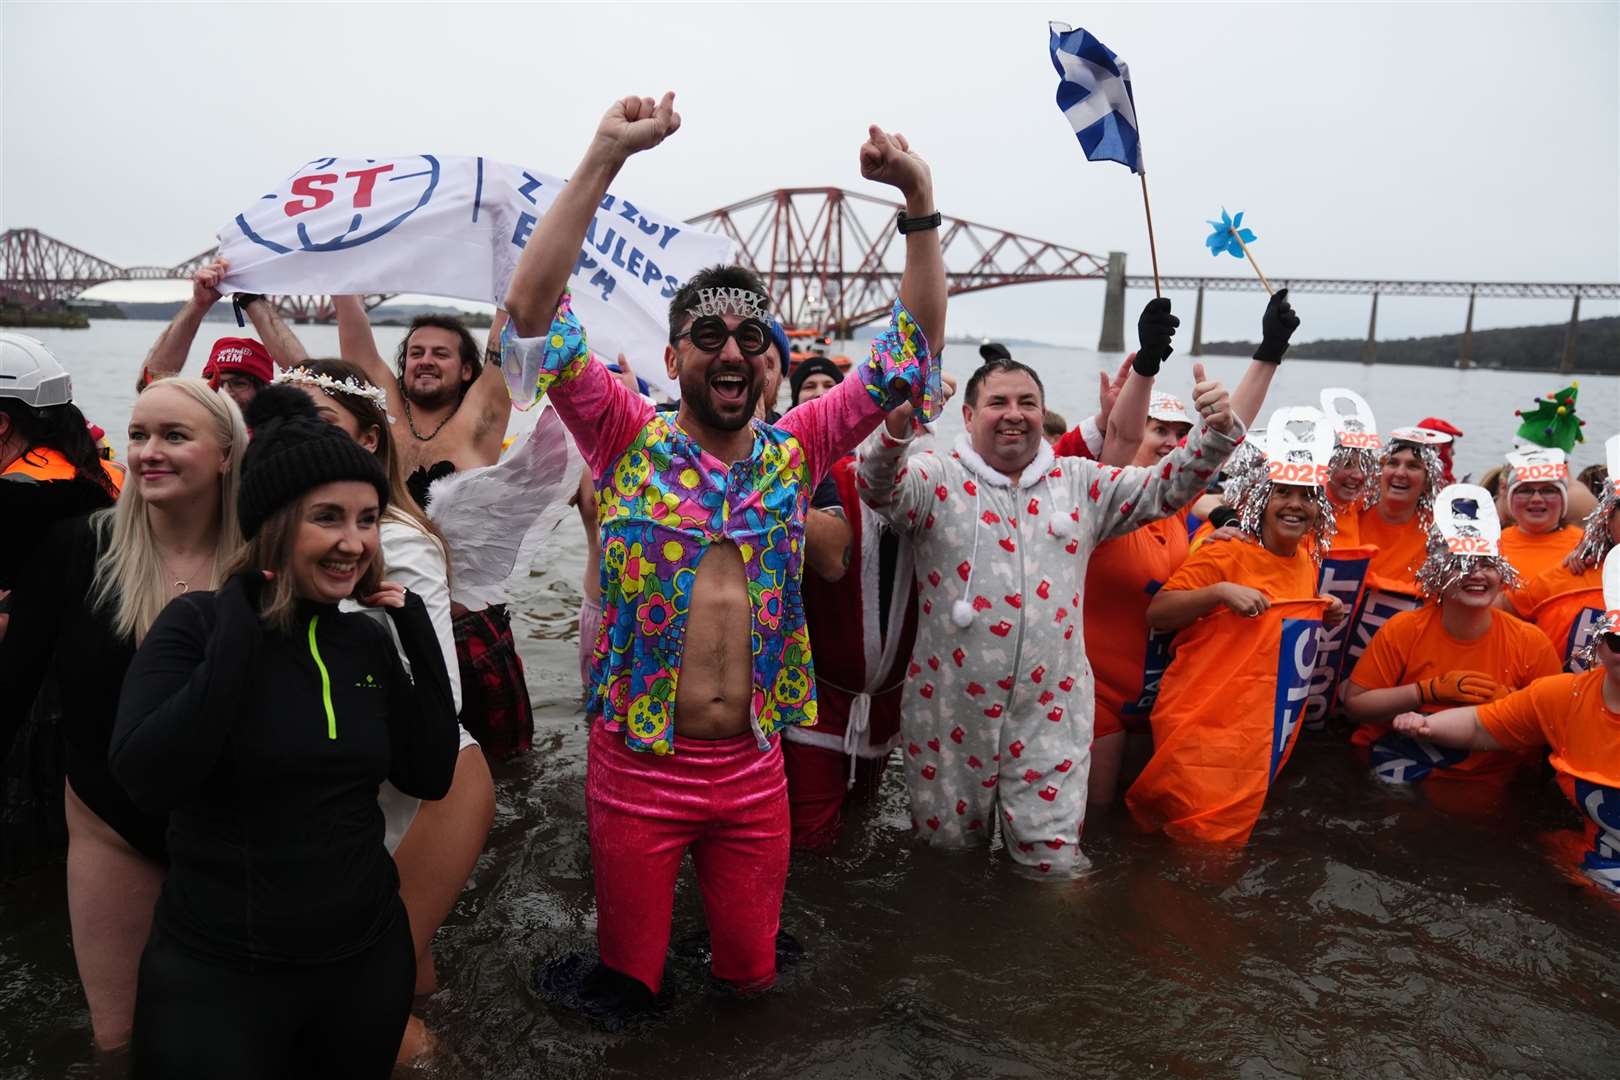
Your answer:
<point x="813" y="338"/>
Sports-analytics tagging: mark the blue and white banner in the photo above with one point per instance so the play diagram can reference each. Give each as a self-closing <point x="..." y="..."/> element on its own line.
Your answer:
<point x="1343" y="575"/>
<point x="1296" y="660"/>
<point x="1602" y="805"/>
<point x="455" y="227"/>
<point x="1094" y="93"/>
<point x="1377" y="607"/>
<point x="1402" y="759"/>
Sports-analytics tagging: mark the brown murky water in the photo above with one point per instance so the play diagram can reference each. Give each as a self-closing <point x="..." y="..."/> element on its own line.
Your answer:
<point x="1362" y="933"/>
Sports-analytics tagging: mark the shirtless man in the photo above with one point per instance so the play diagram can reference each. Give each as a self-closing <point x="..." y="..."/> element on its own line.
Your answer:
<point x="449" y="408"/>
<point x="704" y="655"/>
<point x="449" y="411"/>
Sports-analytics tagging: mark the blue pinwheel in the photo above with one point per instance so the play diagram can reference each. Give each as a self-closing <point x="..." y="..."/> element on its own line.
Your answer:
<point x="1229" y="235"/>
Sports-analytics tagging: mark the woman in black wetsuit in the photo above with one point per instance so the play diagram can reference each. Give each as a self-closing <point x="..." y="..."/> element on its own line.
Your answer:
<point x="82" y="603"/>
<point x="263" y="720"/>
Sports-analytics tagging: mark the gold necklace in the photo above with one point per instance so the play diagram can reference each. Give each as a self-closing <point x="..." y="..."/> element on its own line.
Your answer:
<point x="182" y="585"/>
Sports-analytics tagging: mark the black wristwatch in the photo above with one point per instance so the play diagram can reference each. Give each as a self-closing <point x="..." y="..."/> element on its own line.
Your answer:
<point x="916" y="224"/>
<point x="239" y="303"/>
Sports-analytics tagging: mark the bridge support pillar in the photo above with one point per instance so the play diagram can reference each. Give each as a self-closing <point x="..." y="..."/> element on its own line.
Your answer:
<point x="1567" y="363"/>
<point x="1198" y="325"/>
<point x="1369" y="351"/>
<point x="1112" y="338"/>
<point x="1464" y="359"/>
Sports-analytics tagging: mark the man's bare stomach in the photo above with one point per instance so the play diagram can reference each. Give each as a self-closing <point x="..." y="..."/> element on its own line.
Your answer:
<point x="716" y="685"/>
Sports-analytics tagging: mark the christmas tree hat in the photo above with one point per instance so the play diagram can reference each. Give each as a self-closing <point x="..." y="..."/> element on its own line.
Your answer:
<point x="1553" y="422"/>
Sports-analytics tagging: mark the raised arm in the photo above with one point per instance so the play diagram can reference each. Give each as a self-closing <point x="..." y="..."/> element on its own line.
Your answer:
<point x="1126" y="422"/>
<point x="631" y="125"/>
<point x="889" y="159"/>
<point x="1119" y="500"/>
<point x="168" y="354"/>
<point x="357" y="345"/>
<point x="489" y="404"/>
<point x="1277" y="325"/>
<point x="283" y="345"/>
<point x="898" y="488"/>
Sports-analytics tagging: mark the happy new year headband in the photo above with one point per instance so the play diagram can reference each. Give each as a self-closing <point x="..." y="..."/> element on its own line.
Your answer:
<point x="745" y="303"/>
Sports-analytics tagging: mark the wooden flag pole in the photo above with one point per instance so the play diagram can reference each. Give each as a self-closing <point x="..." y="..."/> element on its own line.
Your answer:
<point x="1269" y="290"/>
<point x="1153" y="248"/>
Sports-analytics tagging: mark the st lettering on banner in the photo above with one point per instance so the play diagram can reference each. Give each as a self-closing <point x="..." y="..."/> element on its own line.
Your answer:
<point x="455" y="227"/>
<point x="1343" y="575"/>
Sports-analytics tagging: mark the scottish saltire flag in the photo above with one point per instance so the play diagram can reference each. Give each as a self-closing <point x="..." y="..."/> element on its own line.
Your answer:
<point x="1094" y="92"/>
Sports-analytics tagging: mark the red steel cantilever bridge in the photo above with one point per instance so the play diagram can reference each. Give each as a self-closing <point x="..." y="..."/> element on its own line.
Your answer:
<point x="831" y="259"/>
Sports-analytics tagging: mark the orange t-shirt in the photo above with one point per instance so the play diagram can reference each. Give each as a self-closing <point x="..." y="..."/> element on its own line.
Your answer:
<point x="1122" y="577"/>
<point x="1401" y="548"/>
<point x="1347" y="520"/>
<point x="1533" y="554"/>
<point x="1244" y="562"/>
<point x="1564" y="607"/>
<point x="1200" y="535"/>
<point x="1413" y="646"/>
<point x="1567" y="714"/>
<point x="1556" y="580"/>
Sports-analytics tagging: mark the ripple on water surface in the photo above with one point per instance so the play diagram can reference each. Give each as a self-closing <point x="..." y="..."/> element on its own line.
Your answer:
<point x="1363" y="933"/>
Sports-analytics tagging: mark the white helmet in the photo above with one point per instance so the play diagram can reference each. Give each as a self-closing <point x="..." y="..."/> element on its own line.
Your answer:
<point x="29" y="373"/>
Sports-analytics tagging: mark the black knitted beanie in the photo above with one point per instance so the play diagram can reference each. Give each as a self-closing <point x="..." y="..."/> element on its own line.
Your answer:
<point x="816" y="365"/>
<point x="292" y="451"/>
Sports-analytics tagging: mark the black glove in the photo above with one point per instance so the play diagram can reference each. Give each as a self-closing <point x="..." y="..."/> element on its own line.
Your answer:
<point x="1154" y="329"/>
<point x="1277" y="325"/>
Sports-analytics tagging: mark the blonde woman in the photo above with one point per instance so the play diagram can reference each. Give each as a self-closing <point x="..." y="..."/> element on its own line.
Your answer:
<point x="86" y="600"/>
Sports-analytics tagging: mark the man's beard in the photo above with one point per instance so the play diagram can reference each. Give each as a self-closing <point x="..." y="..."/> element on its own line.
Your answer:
<point x="696" y="397"/>
<point x="446" y="394"/>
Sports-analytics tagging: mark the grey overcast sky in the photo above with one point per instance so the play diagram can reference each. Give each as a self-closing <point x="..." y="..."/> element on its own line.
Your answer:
<point x="1475" y="141"/>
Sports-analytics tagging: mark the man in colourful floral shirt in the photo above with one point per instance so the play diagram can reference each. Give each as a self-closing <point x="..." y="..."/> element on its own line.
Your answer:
<point x="702" y="657"/>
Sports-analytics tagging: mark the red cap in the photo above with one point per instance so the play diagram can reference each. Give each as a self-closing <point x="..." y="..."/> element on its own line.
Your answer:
<point x="1434" y="423"/>
<point x="238" y="356"/>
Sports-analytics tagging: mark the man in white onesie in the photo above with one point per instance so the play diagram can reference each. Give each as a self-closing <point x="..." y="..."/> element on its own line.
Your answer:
<point x="998" y="708"/>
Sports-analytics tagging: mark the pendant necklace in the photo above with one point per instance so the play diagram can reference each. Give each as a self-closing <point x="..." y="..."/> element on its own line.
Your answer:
<point x="182" y="585"/>
<point x="410" y="422"/>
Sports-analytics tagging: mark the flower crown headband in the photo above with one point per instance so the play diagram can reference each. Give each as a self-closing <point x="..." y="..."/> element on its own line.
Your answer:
<point x="351" y="386"/>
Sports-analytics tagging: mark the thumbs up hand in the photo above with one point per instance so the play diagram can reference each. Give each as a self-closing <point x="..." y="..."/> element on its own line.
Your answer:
<point x="1214" y="404"/>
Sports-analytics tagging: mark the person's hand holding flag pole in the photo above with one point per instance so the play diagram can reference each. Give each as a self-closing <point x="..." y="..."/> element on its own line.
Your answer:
<point x="1094" y="93"/>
